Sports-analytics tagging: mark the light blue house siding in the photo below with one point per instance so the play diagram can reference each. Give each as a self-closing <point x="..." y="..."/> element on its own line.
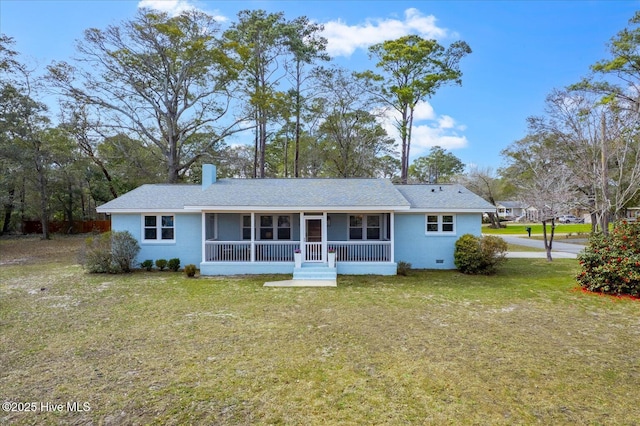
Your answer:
<point x="433" y="251"/>
<point x="210" y="228"/>
<point x="188" y="238"/>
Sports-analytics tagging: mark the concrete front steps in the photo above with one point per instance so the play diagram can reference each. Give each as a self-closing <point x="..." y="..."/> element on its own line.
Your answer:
<point x="315" y="271"/>
<point x="310" y="275"/>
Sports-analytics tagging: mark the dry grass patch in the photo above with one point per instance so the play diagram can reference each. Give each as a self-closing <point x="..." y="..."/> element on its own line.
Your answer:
<point x="431" y="348"/>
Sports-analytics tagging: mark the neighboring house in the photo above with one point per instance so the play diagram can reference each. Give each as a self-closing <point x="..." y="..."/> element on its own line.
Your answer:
<point x="510" y="210"/>
<point x="254" y="226"/>
<point x="632" y="214"/>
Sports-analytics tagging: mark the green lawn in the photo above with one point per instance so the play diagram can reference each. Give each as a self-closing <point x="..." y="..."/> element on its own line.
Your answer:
<point x="521" y="347"/>
<point x="536" y="229"/>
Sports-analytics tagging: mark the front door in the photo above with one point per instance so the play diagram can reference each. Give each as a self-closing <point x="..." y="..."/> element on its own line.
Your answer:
<point x="313" y="240"/>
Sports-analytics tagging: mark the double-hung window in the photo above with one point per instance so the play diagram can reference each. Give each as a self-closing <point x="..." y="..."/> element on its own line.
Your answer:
<point x="159" y="228"/>
<point x="270" y="227"/>
<point x="364" y="227"/>
<point x="246" y="227"/>
<point x="440" y="224"/>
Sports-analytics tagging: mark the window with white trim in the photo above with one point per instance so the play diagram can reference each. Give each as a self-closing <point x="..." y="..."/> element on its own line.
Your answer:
<point x="270" y="227"/>
<point x="364" y="227"/>
<point x="246" y="227"/>
<point x="158" y="228"/>
<point x="440" y="224"/>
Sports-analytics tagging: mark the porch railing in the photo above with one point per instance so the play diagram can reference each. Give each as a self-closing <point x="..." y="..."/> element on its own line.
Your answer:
<point x="240" y="251"/>
<point x="282" y="251"/>
<point x="361" y="251"/>
<point x="227" y="251"/>
<point x="275" y="251"/>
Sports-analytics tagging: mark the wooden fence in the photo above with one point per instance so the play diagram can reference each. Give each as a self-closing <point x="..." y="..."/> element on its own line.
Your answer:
<point x="79" y="227"/>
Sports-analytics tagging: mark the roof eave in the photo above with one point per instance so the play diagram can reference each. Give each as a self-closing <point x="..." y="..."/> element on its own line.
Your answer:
<point x="449" y="210"/>
<point x="297" y="208"/>
<point x="129" y="210"/>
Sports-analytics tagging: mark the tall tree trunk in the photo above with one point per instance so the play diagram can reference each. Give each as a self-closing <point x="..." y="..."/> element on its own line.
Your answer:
<point x="70" y="208"/>
<point x="8" y="210"/>
<point x="263" y="143"/>
<point x="548" y="242"/>
<point x="256" y="148"/>
<point x="44" y="203"/>
<point x="296" y="157"/>
<point x="106" y="174"/>
<point x="604" y="219"/>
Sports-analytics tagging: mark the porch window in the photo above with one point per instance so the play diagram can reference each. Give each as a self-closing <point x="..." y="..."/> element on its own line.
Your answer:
<point x="284" y="227"/>
<point x="266" y="227"/>
<point x="159" y="228"/>
<point x="364" y="227"/>
<point x="246" y="227"/>
<point x="440" y="224"/>
<point x="275" y="227"/>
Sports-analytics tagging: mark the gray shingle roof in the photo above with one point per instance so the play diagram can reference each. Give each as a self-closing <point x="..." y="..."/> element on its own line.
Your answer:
<point x="511" y="204"/>
<point x="301" y="192"/>
<point x="297" y="193"/>
<point x="444" y="197"/>
<point x="153" y="197"/>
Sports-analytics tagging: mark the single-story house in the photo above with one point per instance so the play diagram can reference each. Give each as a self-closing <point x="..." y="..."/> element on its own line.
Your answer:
<point x="510" y="210"/>
<point x="255" y="226"/>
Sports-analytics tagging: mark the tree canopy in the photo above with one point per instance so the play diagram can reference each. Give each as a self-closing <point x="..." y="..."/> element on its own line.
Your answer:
<point x="412" y="69"/>
<point x="164" y="79"/>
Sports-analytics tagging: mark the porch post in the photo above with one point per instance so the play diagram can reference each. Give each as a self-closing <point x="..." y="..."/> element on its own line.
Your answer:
<point x="204" y="237"/>
<point x="391" y="235"/>
<point x="253" y="237"/>
<point x="324" y="254"/>
<point x="302" y="236"/>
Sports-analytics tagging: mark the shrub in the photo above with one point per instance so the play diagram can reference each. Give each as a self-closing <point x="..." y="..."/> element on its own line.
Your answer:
<point x="95" y="256"/>
<point x="190" y="270"/>
<point x="161" y="264"/>
<point x="479" y="255"/>
<point x="147" y="264"/>
<point x="111" y="252"/>
<point x="124" y="249"/>
<point x="404" y="268"/>
<point x="611" y="264"/>
<point x="173" y="264"/>
<point x="494" y="250"/>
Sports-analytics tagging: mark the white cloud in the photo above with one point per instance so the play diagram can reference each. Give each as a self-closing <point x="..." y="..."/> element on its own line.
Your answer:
<point x="424" y="111"/>
<point x="175" y="7"/>
<point x="429" y="129"/>
<point x="343" y="39"/>
<point x="172" y="7"/>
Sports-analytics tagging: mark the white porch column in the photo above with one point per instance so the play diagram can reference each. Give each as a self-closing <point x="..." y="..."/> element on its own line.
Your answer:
<point x="253" y="237"/>
<point x="302" y="236"/>
<point x="325" y="252"/>
<point x="392" y="236"/>
<point x="204" y="237"/>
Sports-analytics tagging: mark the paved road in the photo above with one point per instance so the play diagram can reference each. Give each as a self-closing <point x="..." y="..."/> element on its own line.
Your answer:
<point x="559" y="249"/>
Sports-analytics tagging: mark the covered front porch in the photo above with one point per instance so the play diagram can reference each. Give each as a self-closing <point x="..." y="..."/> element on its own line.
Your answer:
<point x="278" y="242"/>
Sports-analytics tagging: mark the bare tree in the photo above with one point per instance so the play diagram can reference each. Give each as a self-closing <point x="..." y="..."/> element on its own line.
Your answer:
<point x="485" y="183"/>
<point x="600" y="144"/>
<point x="543" y="179"/>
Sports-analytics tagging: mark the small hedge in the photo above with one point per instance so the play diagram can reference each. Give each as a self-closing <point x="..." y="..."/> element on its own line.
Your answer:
<point x="479" y="255"/>
<point x="404" y="268"/>
<point x="190" y="270"/>
<point x="110" y="252"/>
<point x="611" y="263"/>
<point x="174" y="264"/>
<point x="147" y="264"/>
<point x="161" y="264"/>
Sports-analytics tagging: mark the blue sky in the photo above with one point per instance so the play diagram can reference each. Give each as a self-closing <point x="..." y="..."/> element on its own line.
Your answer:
<point x="521" y="50"/>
